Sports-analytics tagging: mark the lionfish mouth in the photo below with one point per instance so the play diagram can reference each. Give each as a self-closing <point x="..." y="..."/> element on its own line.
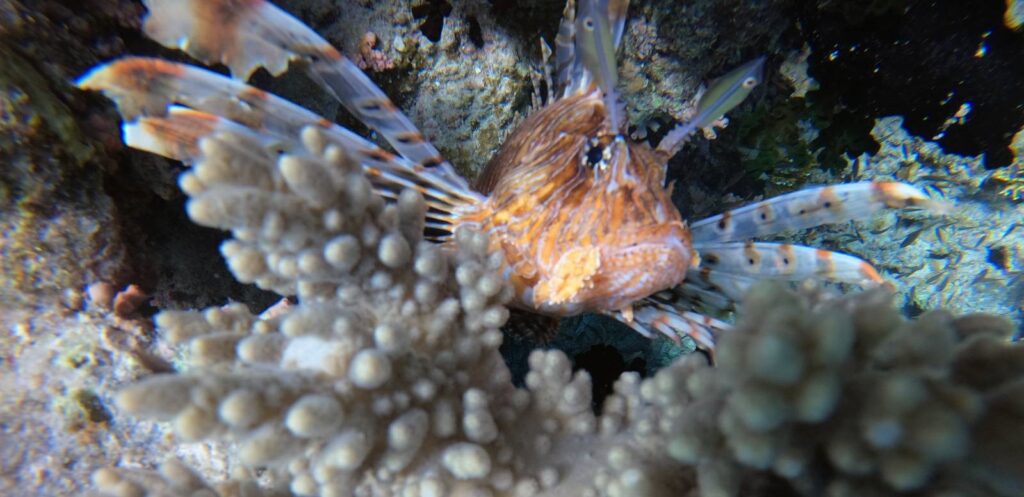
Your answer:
<point x="638" y="270"/>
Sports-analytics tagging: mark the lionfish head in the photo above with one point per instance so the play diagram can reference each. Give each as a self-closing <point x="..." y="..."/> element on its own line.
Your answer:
<point x="582" y="212"/>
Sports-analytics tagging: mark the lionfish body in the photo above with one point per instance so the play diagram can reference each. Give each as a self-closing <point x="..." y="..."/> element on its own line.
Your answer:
<point x="581" y="213"/>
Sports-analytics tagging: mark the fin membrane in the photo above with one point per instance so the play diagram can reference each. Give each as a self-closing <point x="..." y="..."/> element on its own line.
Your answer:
<point x="661" y="313"/>
<point x="252" y="34"/>
<point x="171" y="107"/>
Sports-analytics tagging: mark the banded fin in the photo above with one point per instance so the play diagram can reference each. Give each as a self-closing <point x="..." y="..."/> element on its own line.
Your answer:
<point x="660" y="315"/>
<point x="574" y="68"/>
<point x="732" y="286"/>
<point x="178" y="134"/>
<point x="248" y="34"/>
<point x="761" y="260"/>
<point x="147" y="86"/>
<point x="809" y="208"/>
<point x="150" y="94"/>
<point x="698" y="296"/>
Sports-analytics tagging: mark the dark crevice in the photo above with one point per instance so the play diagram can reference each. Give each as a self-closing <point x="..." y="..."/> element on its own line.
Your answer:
<point x="432" y="14"/>
<point x="476" y="35"/>
<point x="605" y="364"/>
<point x="999" y="257"/>
<point x="176" y="261"/>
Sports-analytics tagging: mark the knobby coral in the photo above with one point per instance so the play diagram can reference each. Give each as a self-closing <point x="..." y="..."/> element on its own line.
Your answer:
<point x="845" y="397"/>
<point x="385" y="378"/>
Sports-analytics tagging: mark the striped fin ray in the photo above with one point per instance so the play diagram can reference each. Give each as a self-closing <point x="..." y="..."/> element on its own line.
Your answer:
<point x="248" y="34"/>
<point x="596" y="48"/>
<point x="180" y="133"/>
<point x="572" y="73"/>
<point x="733" y="286"/>
<point x="723" y="95"/>
<point x="761" y="260"/>
<point x="809" y="208"/>
<point x="177" y="135"/>
<point x="656" y="315"/>
<point x="156" y="90"/>
<point x="696" y="295"/>
<point x="146" y="86"/>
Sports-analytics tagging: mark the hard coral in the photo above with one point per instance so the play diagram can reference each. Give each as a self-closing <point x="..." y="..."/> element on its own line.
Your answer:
<point x="385" y="377"/>
<point x="848" y="398"/>
<point x="835" y="397"/>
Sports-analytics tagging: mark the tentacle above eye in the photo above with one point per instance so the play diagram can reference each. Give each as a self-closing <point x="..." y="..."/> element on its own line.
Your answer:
<point x="566" y="63"/>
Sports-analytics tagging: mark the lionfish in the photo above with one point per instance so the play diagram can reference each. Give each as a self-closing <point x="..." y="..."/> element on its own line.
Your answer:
<point x="581" y="212"/>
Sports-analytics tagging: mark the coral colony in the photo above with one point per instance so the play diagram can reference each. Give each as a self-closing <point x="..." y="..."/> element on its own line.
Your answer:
<point x="385" y="377"/>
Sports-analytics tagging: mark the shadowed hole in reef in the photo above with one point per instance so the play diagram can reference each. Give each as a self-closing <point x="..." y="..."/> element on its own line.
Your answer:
<point x="476" y="35"/>
<point x="533" y="19"/>
<point x="433" y="13"/>
<point x="605" y="365"/>
<point x="173" y="259"/>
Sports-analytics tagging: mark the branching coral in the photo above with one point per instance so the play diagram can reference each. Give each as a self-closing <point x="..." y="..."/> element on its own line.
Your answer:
<point x="372" y="366"/>
<point x="385" y="378"/>
<point x="847" y="398"/>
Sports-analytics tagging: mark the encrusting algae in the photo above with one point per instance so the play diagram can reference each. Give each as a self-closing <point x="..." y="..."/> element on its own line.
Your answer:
<point x="385" y="377"/>
<point x="1010" y="179"/>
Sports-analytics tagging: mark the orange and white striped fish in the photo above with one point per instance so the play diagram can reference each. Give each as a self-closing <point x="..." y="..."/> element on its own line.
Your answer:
<point x="581" y="212"/>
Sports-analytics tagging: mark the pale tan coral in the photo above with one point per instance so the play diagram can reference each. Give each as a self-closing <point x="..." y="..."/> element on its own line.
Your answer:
<point x="835" y="397"/>
<point x="848" y="398"/>
<point x="385" y="377"/>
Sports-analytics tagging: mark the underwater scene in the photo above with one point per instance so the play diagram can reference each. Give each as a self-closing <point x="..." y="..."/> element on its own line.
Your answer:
<point x="511" y="248"/>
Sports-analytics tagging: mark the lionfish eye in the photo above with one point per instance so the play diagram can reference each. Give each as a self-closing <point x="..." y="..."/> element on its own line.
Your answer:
<point x="750" y="82"/>
<point x="594" y="155"/>
<point x="588" y="24"/>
